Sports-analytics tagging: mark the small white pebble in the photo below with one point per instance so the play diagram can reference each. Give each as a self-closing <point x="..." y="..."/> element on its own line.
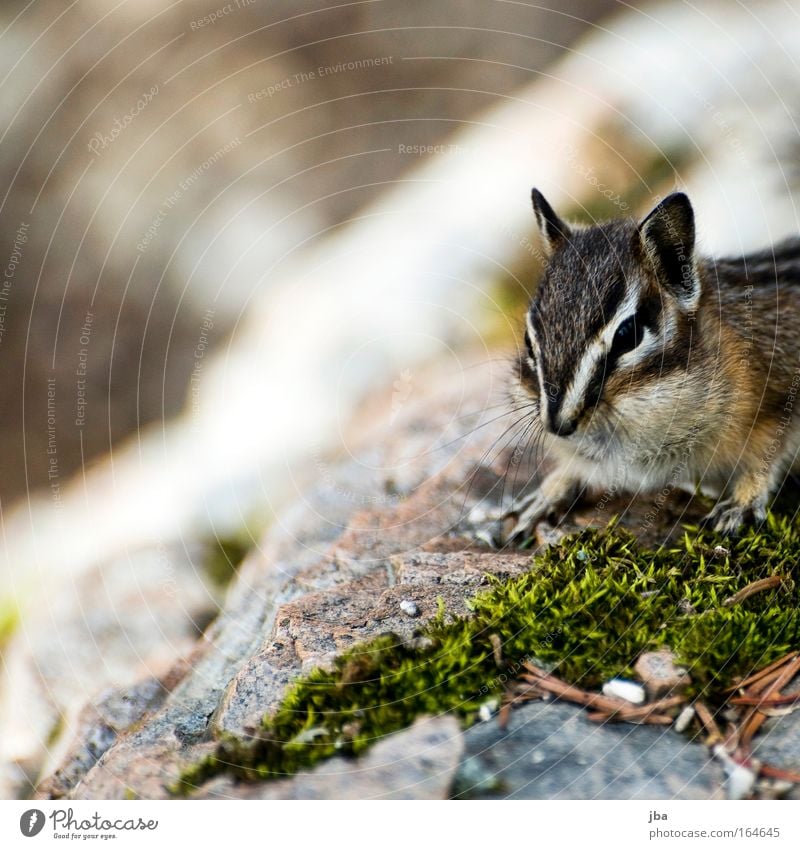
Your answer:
<point x="781" y="787"/>
<point x="740" y="779"/>
<point x="684" y="718"/>
<point x="721" y="551"/>
<point x="621" y="689"/>
<point x="409" y="607"/>
<point x="487" y="710"/>
<point x="740" y="782"/>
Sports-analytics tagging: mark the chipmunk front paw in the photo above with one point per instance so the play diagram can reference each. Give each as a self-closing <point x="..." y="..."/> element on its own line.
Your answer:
<point x="730" y="516"/>
<point x="528" y="513"/>
<point x="551" y="498"/>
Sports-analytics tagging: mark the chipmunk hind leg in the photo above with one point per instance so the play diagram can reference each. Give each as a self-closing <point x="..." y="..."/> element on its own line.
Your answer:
<point x="730" y="515"/>
<point x="748" y="502"/>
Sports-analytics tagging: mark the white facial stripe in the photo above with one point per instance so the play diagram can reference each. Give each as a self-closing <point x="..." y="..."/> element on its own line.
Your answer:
<point x="574" y="397"/>
<point x="531" y="332"/>
<point x="573" y="404"/>
<point x="538" y="364"/>
<point x="650" y="343"/>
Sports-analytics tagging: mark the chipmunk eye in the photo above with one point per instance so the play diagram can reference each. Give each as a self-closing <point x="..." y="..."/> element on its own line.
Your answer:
<point x="628" y="336"/>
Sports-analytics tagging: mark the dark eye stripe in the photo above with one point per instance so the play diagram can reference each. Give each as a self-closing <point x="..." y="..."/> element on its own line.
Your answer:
<point x="629" y="335"/>
<point x="646" y="317"/>
<point x="630" y="332"/>
<point x="528" y="345"/>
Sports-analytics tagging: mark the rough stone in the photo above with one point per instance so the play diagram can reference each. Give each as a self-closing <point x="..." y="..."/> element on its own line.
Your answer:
<point x="417" y="763"/>
<point x="660" y="675"/>
<point x="123" y="622"/>
<point x="778" y="742"/>
<point x="97" y="727"/>
<point x="551" y="751"/>
<point x="390" y="525"/>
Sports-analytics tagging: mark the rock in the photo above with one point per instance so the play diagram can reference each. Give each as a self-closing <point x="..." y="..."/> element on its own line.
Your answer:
<point x="740" y="780"/>
<point x="660" y="675"/>
<point x="388" y="526"/>
<point x="547" y="535"/>
<point x="409" y="608"/>
<point x="684" y="719"/>
<point x="122" y="622"/>
<point x="487" y="710"/>
<point x="417" y="763"/>
<point x="97" y="727"/>
<point x="550" y="751"/>
<point x="778" y="741"/>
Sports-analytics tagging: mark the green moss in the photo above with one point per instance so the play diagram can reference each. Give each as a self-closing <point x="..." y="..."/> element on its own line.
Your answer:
<point x="588" y="608"/>
<point x="9" y="618"/>
<point x="56" y="730"/>
<point x="225" y="555"/>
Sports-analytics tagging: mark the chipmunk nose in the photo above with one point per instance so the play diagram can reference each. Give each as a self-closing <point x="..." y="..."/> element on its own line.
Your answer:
<point x="565" y="427"/>
<point x="557" y="422"/>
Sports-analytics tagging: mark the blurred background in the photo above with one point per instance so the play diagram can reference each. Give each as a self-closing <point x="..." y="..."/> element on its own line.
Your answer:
<point x="224" y="225"/>
<point x="167" y="158"/>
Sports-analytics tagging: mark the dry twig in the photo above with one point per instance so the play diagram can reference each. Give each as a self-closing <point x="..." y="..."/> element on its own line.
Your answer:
<point x="751" y="589"/>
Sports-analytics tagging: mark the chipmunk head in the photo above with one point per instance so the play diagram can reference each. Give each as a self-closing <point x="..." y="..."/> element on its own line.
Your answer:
<point x="610" y="319"/>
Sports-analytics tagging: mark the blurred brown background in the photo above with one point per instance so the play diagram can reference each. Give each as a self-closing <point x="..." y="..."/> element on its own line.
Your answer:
<point x="157" y="161"/>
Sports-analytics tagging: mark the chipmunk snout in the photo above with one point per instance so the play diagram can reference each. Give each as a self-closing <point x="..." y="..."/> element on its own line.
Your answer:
<point x="557" y="421"/>
<point x="564" y="427"/>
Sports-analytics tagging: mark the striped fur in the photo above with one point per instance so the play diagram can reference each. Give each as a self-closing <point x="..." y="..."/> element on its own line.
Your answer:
<point x="704" y="391"/>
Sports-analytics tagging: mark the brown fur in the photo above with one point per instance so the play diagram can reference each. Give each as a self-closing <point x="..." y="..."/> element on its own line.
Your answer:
<point x="705" y="393"/>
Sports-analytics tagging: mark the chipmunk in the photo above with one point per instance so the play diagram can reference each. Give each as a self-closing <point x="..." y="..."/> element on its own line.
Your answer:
<point x="646" y="366"/>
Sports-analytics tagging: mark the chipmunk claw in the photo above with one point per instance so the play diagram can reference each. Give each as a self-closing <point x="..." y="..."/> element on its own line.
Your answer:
<point x="550" y="500"/>
<point x="729" y="517"/>
<point x="525" y="516"/>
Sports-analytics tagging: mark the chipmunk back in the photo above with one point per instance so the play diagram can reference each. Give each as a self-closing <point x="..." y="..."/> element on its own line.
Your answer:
<point x="645" y="365"/>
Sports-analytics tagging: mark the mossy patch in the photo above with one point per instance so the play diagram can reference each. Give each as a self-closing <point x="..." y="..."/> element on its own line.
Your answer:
<point x="225" y="553"/>
<point x="224" y="559"/>
<point x="9" y="618"/>
<point x="588" y="608"/>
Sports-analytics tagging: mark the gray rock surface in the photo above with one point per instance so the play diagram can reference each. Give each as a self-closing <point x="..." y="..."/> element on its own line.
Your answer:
<point x="778" y="742"/>
<point x="129" y="621"/>
<point x="551" y="751"/>
<point x="97" y="727"/>
<point x="387" y="526"/>
<point x="418" y="763"/>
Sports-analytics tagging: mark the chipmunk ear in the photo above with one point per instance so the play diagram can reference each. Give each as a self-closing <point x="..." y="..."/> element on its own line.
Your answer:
<point x="668" y="237"/>
<point x="554" y="230"/>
